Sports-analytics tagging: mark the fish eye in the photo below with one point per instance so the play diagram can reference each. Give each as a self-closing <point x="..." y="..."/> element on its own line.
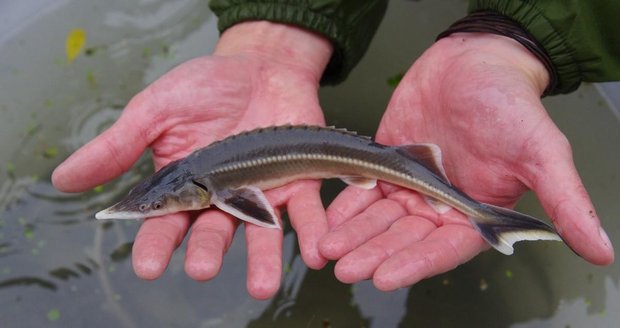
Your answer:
<point x="142" y="207"/>
<point x="156" y="205"/>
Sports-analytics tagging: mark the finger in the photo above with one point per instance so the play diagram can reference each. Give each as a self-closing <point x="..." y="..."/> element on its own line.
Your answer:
<point x="109" y="154"/>
<point x="566" y="201"/>
<point x="211" y="235"/>
<point x="264" y="260"/>
<point x="156" y="240"/>
<point x="361" y="263"/>
<point x="415" y="204"/>
<point x="443" y="250"/>
<point x="308" y="218"/>
<point x="376" y="219"/>
<point x="350" y="202"/>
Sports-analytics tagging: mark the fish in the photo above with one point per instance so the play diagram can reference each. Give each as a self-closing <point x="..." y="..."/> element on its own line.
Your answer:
<point x="232" y="174"/>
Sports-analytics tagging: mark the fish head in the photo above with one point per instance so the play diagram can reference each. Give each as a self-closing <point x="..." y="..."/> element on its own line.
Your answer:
<point x="169" y="190"/>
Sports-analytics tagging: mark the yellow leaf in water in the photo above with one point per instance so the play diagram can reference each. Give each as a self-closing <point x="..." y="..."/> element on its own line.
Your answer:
<point x="76" y="39"/>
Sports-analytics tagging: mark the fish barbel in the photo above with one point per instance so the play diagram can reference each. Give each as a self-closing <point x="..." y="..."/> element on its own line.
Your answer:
<point x="232" y="174"/>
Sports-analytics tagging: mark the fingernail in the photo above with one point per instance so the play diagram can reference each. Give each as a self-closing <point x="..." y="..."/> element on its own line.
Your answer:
<point x="605" y="238"/>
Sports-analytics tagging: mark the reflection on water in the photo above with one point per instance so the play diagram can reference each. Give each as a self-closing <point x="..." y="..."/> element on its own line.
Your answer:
<point x="578" y="312"/>
<point x="60" y="266"/>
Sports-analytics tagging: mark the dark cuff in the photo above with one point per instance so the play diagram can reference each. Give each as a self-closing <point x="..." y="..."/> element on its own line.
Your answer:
<point x="532" y="18"/>
<point x="493" y="22"/>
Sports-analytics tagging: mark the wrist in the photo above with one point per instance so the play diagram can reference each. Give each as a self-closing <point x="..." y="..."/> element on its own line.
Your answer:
<point x="502" y="51"/>
<point x="281" y="43"/>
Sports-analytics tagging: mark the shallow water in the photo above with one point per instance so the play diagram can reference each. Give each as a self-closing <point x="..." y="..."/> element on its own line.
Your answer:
<point x="60" y="267"/>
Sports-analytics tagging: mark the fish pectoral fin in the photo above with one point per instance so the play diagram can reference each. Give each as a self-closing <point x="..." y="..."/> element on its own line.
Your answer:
<point x="428" y="155"/>
<point x="248" y="204"/>
<point x="360" y="182"/>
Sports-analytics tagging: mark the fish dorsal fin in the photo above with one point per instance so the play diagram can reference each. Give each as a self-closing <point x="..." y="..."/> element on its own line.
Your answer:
<point x="248" y="204"/>
<point x="428" y="155"/>
<point x="345" y="131"/>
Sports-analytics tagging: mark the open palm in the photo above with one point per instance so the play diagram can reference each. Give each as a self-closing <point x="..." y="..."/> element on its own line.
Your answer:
<point x="478" y="98"/>
<point x="195" y="104"/>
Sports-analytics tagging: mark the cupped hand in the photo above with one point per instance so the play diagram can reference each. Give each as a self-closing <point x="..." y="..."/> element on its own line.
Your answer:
<point x="261" y="74"/>
<point x="477" y="96"/>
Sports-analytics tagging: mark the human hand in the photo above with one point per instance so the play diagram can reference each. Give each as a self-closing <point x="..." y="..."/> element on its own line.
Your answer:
<point x="260" y="74"/>
<point x="477" y="96"/>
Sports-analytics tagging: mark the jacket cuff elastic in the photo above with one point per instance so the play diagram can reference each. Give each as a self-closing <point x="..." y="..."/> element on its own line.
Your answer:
<point x="349" y="42"/>
<point x="556" y="46"/>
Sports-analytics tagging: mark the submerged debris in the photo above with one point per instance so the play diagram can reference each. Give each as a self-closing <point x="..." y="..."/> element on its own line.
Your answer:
<point x="483" y="285"/>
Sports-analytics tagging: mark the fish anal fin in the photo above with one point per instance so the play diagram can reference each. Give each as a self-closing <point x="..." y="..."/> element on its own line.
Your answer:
<point x="248" y="204"/>
<point x="360" y="182"/>
<point x="437" y="205"/>
<point x="428" y="155"/>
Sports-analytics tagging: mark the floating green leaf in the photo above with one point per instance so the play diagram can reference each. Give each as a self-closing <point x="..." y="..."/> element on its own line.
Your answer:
<point x="90" y="77"/>
<point x="10" y="169"/>
<point x="394" y="80"/>
<point x="32" y="129"/>
<point x="29" y="232"/>
<point x="50" y="152"/>
<point x="146" y="52"/>
<point x="98" y="189"/>
<point x="53" y="314"/>
<point x="508" y="274"/>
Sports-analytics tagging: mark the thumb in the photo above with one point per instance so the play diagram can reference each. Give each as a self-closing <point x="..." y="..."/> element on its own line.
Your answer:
<point x="108" y="155"/>
<point x="567" y="202"/>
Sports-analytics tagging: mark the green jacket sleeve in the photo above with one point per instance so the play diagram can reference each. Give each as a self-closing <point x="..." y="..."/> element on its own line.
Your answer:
<point x="349" y="24"/>
<point x="582" y="37"/>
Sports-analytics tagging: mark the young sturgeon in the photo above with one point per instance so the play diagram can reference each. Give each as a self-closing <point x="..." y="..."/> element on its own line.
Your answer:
<point x="232" y="173"/>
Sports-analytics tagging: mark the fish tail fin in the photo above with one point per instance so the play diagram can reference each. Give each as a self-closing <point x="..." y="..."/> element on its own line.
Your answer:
<point x="502" y="227"/>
